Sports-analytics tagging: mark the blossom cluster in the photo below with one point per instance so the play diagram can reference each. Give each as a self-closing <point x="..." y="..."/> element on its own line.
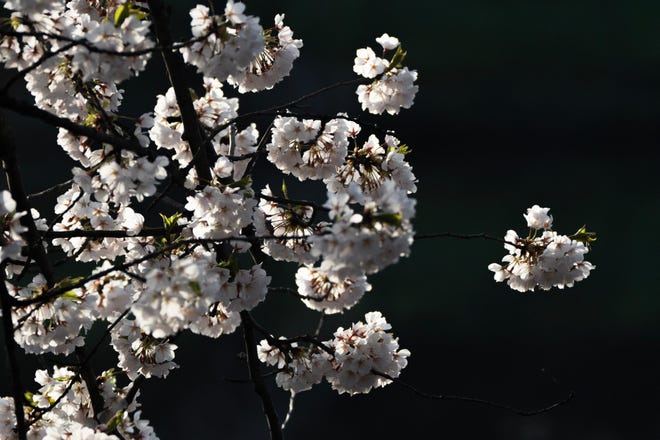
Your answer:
<point x="393" y="87"/>
<point x="62" y="408"/>
<point x="357" y="359"/>
<point x="544" y="261"/>
<point x="233" y="47"/>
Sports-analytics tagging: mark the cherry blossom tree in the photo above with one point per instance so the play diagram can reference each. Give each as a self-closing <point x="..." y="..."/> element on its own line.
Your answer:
<point x="161" y="228"/>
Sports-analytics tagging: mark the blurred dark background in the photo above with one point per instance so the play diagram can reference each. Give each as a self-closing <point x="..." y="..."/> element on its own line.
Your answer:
<point x="520" y="102"/>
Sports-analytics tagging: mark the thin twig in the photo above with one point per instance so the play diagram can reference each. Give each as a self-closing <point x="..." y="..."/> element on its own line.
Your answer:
<point x="60" y="188"/>
<point x="292" y="401"/>
<point x="92" y="48"/>
<point x="480" y="235"/>
<point x="520" y="412"/>
<point x="283" y="201"/>
<point x="270" y="110"/>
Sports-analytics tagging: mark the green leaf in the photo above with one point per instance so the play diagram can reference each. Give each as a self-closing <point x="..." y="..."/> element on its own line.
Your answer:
<point x="122" y="13"/>
<point x="397" y="58"/>
<point x="584" y="236"/>
<point x="194" y="285"/>
<point x="125" y="10"/>
<point x="114" y="421"/>
<point x="69" y="295"/>
<point x="171" y="221"/>
<point x="29" y="397"/>
<point x="244" y="182"/>
<point x="393" y="219"/>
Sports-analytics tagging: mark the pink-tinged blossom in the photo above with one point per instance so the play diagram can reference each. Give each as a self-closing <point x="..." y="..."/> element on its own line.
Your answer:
<point x="538" y="218"/>
<point x="273" y="64"/>
<point x="545" y="261"/>
<point x="388" y="42"/>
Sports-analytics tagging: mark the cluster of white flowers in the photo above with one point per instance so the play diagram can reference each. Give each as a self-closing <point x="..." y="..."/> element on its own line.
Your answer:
<point x="72" y="416"/>
<point x="366" y="240"/>
<point x="286" y="221"/>
<point x="74" y="81"/>
<point x="10" y="221"/>
<point x="101" y="201"/>
<point x="219" y="213"/>
<point x="371" y="164"/>
<point x="393" y="87"/>
<point x="545" y="261"/>
<point x="354" y="361"/>
<point x="228" y="43"/>
<point x="310" y="149"/>
<point x="234" y="47"/>
<point x="54" y="326"/>
<point x="213" y="108"/>
<point x="273" y="63"/>
<point x="328" y="293"/>
<point x="142" y="354"/>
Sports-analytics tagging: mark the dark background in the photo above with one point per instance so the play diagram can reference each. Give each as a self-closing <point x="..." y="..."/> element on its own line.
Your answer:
<point x="520" y="102"/>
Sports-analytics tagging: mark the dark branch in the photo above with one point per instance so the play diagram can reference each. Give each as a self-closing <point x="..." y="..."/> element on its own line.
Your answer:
<point x="480" y="235"/>
<point x="283" y="201"/>
<point x="92" y="48"/>
<point x="14" y="369"/>
<point x="99" y="233"/>
<point x="26" y="109"/>
<point x="15" y="183"/>
<point x="277" y="108"/>
<point x="256" y="378"/>
<point x="520" y="412"/>
<point x="192" y="132"/>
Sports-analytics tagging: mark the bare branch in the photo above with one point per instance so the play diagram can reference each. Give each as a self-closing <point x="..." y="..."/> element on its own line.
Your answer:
<point x="26" y="109"/>
<point x="12" y="349"/>
<point x="480" y="235"/>
<point x="15" y="183"/>
<point x="520" y="412"/>
<point x="255" y="375"/>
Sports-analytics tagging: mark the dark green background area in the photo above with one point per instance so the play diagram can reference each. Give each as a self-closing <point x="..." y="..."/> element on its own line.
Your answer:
<point x="520" y="102"/>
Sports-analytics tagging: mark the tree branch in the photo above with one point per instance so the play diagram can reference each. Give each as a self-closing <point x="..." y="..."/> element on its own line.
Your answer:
<point x="25" y="109"/>
<point x="192" y="132"/>
<point x="480" y="235"/>
<point x="15" y="183"/>
<point x="256" y="378"/>
<point x="12" y="348"/>
<point x="520" y="412"/>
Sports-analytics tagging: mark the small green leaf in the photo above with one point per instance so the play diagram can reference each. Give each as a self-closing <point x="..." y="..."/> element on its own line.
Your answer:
<point x="114" y="421"/>
<point x="401" y="149"/>
<point x="584" y="236"/>
<point x="285" y="190"/>
<point x="29" y="397"/>
<point x="122" y="13"/>
<point x="397" y="58"/>
<point x="231" y="264"/>
<point x="70" y="295"/>
<point x="194" y="285"/>
<point x="170" y="222"/>
<point x="393" y="219"/>
<point x="244" y="182"/>
<point x="125" y="10"/>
